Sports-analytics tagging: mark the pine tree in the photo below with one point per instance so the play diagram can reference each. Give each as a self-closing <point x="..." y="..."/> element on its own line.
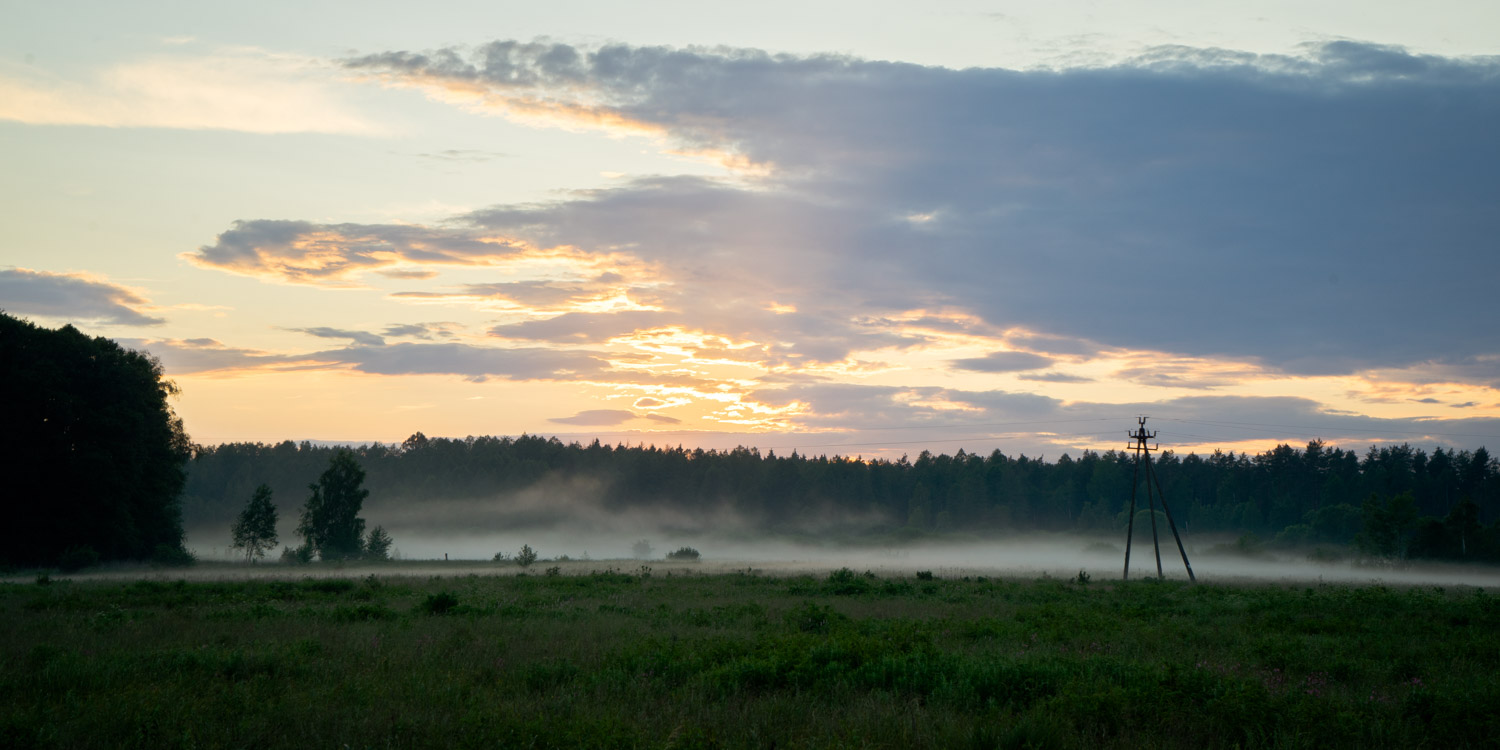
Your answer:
<point x="378" y="544"/>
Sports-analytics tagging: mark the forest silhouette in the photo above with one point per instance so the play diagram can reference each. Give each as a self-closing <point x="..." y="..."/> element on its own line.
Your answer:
<point x="1392" y="501"/>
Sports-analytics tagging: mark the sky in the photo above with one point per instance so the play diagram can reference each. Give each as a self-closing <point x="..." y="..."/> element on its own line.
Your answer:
<point x="868" y="228"/>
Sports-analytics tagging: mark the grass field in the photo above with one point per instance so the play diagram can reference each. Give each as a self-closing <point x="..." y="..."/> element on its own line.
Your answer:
<point x="670" y="658"/>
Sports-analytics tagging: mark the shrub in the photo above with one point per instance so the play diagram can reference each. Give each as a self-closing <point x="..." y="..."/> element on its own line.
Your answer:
<point x="924" y="575"/>
<point x="526" y="556"/>
<point x="684" y="553"/>
<point x="844" y="582"/>
<point x="500" y="557"/>
<point x="642" y="549"/>
<point x="439" y="603"/>
<point x="1082" y="578"/>
<point x="554" y="571"/>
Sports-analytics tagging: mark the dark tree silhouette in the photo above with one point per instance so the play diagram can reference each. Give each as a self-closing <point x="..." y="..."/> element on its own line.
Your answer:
<point x="330" y="521"/>
<point x="91" y="453"/>
<point x="255" y="530"/>
<point x="1286" y="495"/>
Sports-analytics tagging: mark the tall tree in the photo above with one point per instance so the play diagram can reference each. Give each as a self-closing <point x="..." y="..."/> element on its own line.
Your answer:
<point x="255" y="530"/>
<point x="330" y="520"/>
<point x="91" y="453"/>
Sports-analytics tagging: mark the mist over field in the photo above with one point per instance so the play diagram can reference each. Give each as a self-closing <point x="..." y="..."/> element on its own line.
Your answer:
<point x="591" y="547"/>
<point x="1289" y="514"/>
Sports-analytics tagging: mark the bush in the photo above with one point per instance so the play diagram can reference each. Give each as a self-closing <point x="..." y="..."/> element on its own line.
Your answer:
<point x="684" y="553"/>
<point x="500" y="557"/>
<point x="439" y="603"/>
<point x="844" y="582"/>
<point x="924" y="575"/>
<point x="642" y="550"/>
<point x="526" y="556"/>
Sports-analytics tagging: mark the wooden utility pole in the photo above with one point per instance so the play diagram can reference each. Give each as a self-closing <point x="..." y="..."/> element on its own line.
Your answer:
<point x="1143" y="457"/>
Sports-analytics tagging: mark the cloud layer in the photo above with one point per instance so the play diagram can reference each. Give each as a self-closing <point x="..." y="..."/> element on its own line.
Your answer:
<point x="72" y="297"/>
<point x="1198" y="201"/>
<point x="1186" y="222"/>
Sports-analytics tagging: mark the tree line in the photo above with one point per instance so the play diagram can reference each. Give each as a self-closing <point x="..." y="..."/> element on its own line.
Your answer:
<point x="1393" y="500"/>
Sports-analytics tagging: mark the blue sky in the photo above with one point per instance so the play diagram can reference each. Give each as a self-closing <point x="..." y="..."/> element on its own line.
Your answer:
<point x="856" y="228"/>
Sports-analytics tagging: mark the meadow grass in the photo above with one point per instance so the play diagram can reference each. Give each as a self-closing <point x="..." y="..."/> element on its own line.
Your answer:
<point x="649" y="660"/>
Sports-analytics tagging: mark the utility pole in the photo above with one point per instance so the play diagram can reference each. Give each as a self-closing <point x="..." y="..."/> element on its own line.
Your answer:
<point x="1143" y="458"/>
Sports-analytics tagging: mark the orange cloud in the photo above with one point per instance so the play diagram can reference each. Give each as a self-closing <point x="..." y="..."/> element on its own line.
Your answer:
<point x="330" y="255"/>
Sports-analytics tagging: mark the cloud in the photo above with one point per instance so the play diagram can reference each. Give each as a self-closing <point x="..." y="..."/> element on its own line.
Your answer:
<point x="243" y="90"/>
<point x="72" y="296"/>
<point x="1193" y="219"/>
<point x="1054" y="377"/>
<point x="543" y="296"/>
<point x="406" y="273"/>
<point x="875" y="420"/>
<point x="307" y="253"/>
<point x="597" y="418"/>
<point x="202" y="355"/>
<point x="1003" y="362"/>
<point x="425" y="331"/>
<point x="582" y="327"/>
<point x="1255" y="207"/>
<point x="358" y="337"/>
<point x="472" y="362"/>
<point x="463" y="155"/>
